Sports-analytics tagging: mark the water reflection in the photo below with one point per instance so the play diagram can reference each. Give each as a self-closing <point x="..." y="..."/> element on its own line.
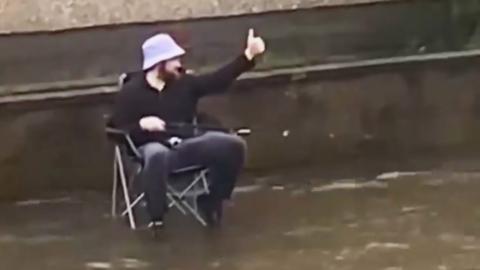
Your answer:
<point x="410" y="221"/>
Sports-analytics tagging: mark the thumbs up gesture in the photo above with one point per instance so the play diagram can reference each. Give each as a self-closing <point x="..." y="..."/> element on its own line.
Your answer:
<point x="255" y="45"/>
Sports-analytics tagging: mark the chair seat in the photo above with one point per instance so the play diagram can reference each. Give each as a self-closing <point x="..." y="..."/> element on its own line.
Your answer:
<point x="193" y="193"/>
<point x="182" y="178"/>
<point x="187" y="170"/>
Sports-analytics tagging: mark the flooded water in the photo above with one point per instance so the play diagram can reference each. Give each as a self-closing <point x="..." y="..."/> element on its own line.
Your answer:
<point x="425" y="220"/>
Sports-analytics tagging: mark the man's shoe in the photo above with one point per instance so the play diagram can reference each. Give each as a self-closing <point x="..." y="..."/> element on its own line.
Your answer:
<point x="156" y="227"/>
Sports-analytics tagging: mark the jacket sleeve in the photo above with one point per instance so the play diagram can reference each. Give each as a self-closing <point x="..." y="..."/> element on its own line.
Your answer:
<point x="219" y="80"/>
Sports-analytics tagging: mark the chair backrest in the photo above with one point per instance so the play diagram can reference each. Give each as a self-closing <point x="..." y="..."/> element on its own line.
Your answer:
<point x="120" y="137"/>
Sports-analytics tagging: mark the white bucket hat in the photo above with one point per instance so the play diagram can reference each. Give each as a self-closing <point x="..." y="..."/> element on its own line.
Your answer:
<point x="158" y="48"/>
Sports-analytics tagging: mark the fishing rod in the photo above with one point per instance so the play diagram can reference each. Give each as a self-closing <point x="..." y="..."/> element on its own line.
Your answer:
<point x="174" y="140"/>
<point x="242" y="131"/>
<point x="174" y="128"/>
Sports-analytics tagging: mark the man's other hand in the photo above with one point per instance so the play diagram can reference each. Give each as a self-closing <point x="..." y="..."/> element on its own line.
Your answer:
<point x="152" y="123"/>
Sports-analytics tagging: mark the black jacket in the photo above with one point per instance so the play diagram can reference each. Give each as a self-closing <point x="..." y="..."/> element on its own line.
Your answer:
<point x="176" y="103"/>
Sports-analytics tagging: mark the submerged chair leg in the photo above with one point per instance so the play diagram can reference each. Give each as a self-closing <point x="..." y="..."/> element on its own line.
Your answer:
<point x="188" y="202"/>
<point x="203" y="176"/>
<point x="194" y="213"/>
<point x="125" y="190"/>
<point x="175" y="200"/>
<point x="134" y="203"/>
<point x="115" y="185"/>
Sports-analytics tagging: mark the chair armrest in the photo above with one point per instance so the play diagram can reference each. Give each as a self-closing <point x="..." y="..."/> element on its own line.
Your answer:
<point x="122" y="137"/>
<point x="115" y="131"/>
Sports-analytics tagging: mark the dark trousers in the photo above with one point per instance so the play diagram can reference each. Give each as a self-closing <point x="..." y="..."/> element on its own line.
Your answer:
<point x="223" y="154"/>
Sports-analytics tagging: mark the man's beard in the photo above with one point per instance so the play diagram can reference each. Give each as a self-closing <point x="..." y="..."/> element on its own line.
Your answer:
<point x="168" y="76"/>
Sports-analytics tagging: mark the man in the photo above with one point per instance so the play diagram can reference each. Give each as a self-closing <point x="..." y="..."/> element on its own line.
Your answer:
<point x="162" y="94"/>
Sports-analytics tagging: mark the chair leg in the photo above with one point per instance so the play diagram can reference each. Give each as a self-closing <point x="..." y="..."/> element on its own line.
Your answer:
<point x="134" y="203"/>
<point x="194" y="213"/>
<point x="171" y="193"/>
<point x="200" y="188"/>
<point x="203" y="175"/>
<point x="193" y="184"/>
<point x="192" y="208"/>
<point x="194" y="200"/>
<point x="125" y="190"/>
<point x="115" y="185"/>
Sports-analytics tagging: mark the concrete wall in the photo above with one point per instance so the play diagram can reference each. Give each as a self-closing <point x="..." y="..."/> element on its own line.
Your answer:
<point x="295" y="38"/>
<point x="48" y="15"/>
<point x="391" y="111"/>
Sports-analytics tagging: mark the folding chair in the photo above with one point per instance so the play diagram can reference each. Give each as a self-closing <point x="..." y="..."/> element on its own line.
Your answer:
<point x="183" y="185"/>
